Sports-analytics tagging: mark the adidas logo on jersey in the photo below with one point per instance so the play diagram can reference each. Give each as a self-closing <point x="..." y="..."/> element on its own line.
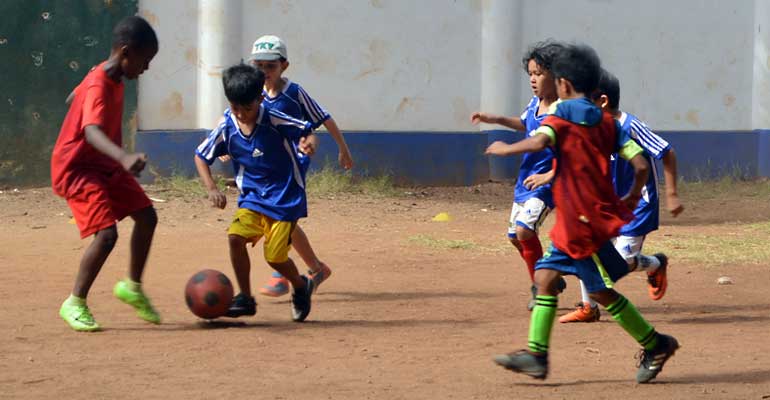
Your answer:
<point x="256" y="153"/>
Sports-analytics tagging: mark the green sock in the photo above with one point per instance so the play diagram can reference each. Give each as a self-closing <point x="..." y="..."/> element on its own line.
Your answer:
<point x="75" y="300"/>
<point x="628" y="317"/>
<point x="541" y="322"/>
<point x="133" y="286"/>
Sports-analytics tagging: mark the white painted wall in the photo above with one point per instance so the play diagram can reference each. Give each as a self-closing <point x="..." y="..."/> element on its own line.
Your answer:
<point x="422" y="65"/>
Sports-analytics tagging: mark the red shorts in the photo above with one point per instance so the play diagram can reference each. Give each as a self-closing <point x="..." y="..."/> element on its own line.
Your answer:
<point x="98" y="199"/>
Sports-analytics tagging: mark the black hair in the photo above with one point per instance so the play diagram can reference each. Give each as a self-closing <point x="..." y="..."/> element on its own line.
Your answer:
<point x="134" y="32"/>
<point x="580" y="65"/>
<point x="610" y="87"/>
<point x="542" y="53"/>
<point x="243" y="84"/>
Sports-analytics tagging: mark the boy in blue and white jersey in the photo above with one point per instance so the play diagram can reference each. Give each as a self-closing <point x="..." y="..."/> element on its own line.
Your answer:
<point x="629" y="243"/>
<point x="531" y="205"/>
<point x="270" y="55"/>
<point x="261" y="144"/>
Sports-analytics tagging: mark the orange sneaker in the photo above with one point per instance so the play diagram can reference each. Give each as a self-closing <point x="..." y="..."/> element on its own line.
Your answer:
<point x="583" y="313"/>
<point x="277" y="286"/>
<point x="321" y="275"/>
<point x="657" y="282"/>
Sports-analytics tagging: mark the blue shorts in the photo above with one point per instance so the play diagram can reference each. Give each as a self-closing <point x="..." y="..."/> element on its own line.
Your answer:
<point x="598" y="272"/>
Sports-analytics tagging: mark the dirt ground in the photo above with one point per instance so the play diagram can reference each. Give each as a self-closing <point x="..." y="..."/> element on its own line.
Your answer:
<point x="404" y="316"/>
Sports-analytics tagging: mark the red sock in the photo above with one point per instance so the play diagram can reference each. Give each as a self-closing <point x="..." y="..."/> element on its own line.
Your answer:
<point x="531" y="251"/>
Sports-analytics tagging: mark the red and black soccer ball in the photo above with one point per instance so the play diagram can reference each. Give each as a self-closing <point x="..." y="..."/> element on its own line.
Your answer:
<point x="209" y="294"/>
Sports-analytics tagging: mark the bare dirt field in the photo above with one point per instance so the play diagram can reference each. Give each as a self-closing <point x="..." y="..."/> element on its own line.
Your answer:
<point x="415" y="309"/>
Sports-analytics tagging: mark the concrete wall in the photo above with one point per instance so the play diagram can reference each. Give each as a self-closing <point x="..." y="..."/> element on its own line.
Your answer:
<point x="698" y="71"/>
<point x="46" y="48"/>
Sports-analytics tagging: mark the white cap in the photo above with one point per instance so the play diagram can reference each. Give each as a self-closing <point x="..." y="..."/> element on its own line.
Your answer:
<point x="268" y="48"/>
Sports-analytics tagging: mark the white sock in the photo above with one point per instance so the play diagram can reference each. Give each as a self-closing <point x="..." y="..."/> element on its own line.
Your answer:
<point x="647" y="263"/>
<point x="584" y="294"/>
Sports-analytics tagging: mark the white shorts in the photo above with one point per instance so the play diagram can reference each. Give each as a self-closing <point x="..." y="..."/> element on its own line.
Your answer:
<point x="629" y="247"/>
<point x="529" y="214"/>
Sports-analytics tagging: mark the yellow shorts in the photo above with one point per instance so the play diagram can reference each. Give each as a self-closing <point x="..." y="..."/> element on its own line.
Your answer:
<point x="253" y="225"/>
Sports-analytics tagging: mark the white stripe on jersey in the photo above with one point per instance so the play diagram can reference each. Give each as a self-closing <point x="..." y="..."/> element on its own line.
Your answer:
<point x="651" y="142"/>
<point x="209" y="146"/>
<point x="283" y="119"/>
<point x="315" y="111"/>
<point x="239" y="179"/>
<point x="290" y="149"/>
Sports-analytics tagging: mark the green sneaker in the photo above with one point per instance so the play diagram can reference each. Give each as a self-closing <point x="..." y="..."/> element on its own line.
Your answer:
<point x="78" y="317"/>
<point x="138" y="300"/>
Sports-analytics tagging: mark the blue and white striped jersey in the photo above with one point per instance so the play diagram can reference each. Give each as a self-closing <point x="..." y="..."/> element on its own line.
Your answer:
<point x="534" y="163"/>
<point x="265" y="162"/>
<point x="295" y="102"/>
<point x="655" y="148"/>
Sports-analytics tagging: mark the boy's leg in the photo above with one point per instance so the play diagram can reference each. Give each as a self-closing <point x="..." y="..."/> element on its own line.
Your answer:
<point x="277" y="244"/>
<point x="247" y="227"/>
<point x="657" y="348"/>
<point x="74" y="310"/>
<point x="318" y="270"/>
<point x="656" y="266"/>
<point x="239" y="257"/>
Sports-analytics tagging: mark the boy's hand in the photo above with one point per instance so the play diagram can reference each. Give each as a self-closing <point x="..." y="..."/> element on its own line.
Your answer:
<point x="497" y="148"/>
<point x="225" y="158"/>
<point x="479" y="116"/>
<point x="345" y="159"/>
<point x="538" y="180"/>
<point x="218" y="199"/>
<point x="673" y="204"/>
<point x="134" y="162"/>
<point x="308" y="144"/>
<point x="631" y="200"/>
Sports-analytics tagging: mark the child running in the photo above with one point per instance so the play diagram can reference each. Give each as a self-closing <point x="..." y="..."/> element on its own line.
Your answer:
<point x="589" y="214"/>
<point x="531" y="206"/>
<point x="91" y="170"/>
<point x="272" y="189"/>
<point x="270" y="55"/>
<point x="632" y="235"/>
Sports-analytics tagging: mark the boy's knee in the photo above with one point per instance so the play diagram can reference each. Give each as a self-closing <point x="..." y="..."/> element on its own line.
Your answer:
<point x="146" y="217"/>
<point x="546" y="281"/>
<point x="515" y="242"/>
<point x="236" y="240"/>
<point x="523" y="233"/>
<point x="106" y="238"/>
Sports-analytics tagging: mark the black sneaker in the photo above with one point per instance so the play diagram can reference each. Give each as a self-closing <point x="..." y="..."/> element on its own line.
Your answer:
<point x="242" y="305"/>
<point x="651" y="361"/>
<point x="300" y="300"/>
<point x="525" y="362"/>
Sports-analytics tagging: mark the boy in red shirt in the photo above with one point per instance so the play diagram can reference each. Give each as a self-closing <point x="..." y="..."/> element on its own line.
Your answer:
<point x="589" y="214"/>
<point x="90" y="169"/>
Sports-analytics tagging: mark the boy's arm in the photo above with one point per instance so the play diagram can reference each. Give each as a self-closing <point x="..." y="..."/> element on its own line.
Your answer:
<point x="641" y="172"/>
<point x="131" y="162"/>
<point x="541" y="138"/>
<point x="70" y="97"/>
<point x="345" y="159"/>
<point x="218" y="199"/>
<point x="673" y="203"/>
<point x="510" y="122"/>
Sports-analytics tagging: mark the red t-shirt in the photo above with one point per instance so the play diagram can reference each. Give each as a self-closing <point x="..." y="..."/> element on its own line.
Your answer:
<point x="588" y="212"/>
<point x="98" y="101"/>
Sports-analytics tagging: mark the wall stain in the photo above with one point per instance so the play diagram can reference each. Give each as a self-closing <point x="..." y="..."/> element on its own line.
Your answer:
<point x="322" y="62"/>
<point x="729" y="100"/>
<point x="74" y="65"/>
<point x="460" y="111"/>
<point x="678" y="117"/>
<point x="191" y="55"/>
<point x="89" y="41"/>
<point x="410" y="102"/>
<point x="172" y="106"/>
<point x="367" y="72"/>
<point x="711" y="85"/>
<point x="376" y="4"/>
<point x="693" y="117"/>
<point x="37" y="58"/>
<point x="5" y="41"/>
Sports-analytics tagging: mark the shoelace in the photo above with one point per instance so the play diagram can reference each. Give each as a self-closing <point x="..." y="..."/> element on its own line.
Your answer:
<point x="85" y="316"/>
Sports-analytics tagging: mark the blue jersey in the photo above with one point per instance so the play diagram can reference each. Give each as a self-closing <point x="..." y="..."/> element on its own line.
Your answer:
<point x="655" y="148"/>
<point x="534" y="163"/>
<point x="296" y="103"/>
<point x="266" y="168"/>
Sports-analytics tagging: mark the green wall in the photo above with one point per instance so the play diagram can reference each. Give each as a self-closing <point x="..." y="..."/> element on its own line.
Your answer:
<point x="46" y="48"/>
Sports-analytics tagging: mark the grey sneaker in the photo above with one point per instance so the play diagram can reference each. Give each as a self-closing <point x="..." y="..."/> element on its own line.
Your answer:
<point x="524" y="362"/>
<point x="651" y="362"/>
<point x="300" y="300"/>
